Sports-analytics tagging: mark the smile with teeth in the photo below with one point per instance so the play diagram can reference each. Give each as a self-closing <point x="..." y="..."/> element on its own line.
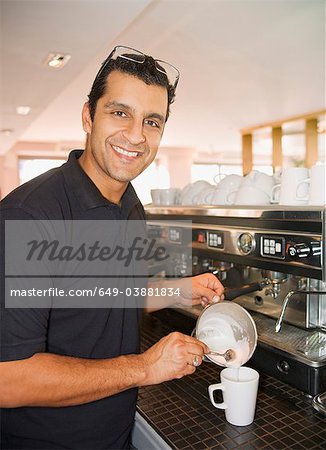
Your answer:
<point x="124" y="152"/>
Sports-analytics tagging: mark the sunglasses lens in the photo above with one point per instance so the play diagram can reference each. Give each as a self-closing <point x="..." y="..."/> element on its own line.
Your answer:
<point x="170" y="71"/>
<point x="129" y="53"/>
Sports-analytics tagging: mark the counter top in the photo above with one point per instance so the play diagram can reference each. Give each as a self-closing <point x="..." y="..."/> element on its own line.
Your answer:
<point x="180" y="410"/>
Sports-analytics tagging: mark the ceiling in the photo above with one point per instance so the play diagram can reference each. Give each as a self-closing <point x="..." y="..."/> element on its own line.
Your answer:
<point x="241" y="63"/>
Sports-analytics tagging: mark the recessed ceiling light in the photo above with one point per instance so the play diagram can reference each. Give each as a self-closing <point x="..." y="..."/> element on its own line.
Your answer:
<point x="23" y="110"/>
<point x="57" y="60"/>
<point x="6" y="131"/>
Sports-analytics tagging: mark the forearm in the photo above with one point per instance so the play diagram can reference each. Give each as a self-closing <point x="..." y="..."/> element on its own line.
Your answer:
<point x="54" y="380"/>
<point x="164" y="293"/>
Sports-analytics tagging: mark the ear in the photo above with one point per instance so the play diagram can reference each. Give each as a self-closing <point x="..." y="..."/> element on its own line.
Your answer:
<point x="86" y="118"/>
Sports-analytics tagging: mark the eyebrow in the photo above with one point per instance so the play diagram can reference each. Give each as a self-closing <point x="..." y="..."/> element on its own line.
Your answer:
<point x="114" y="104"/>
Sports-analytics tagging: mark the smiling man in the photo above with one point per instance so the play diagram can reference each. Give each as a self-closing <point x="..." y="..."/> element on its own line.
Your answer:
<point x="125" y="119"/>
<point x="69" y="376"/>
<point x="124" y="133"/>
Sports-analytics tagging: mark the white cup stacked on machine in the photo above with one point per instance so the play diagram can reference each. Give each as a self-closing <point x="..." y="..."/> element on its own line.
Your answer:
<point x="225" y="191"/>
<point x="301" y="186"/>
<point x="193" y="193"/>
<point x="293" y="188"/>
<point x="317" y="185"/>
<point x="255" y="189"/>
<point x="165" y="197"/>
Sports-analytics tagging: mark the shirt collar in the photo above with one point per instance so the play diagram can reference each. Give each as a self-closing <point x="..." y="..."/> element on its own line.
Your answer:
<point x="86" y="191"/>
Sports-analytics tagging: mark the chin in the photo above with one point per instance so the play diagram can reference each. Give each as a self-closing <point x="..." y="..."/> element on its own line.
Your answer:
<point x="126" y="177"/>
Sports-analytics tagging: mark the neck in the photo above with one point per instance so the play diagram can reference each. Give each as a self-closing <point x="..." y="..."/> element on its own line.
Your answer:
<point x="111" y="189"/>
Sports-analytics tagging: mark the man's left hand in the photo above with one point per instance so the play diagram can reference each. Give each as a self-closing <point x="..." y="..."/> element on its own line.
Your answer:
<point x="201" y="289"/>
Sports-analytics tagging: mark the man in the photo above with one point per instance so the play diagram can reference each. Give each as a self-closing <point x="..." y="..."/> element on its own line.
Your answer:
<point x="69" y="377"/>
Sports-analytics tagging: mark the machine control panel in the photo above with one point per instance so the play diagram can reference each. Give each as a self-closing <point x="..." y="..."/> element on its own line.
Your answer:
<point x="292" y="250"/>
<point x="175" y="235"/>
<point x="303" y="250"/>
<point x="272" y="247"/>
<point x="215" y="239"/>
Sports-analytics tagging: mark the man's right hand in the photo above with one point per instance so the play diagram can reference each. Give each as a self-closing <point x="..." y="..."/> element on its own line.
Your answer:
<point x="47" y="379"/>
<point x="172" y="357"/>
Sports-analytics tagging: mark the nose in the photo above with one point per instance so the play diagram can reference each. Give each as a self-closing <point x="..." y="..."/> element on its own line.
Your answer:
<point x="134" y="132"/>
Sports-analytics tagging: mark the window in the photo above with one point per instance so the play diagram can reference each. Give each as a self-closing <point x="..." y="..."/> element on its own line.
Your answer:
<point x="31" y="168"/>
<point x="156" y="176"/>
<point x="213" y="172"/>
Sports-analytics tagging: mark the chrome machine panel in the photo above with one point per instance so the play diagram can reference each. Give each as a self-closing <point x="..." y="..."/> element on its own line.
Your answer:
<point x="242" y="245"/>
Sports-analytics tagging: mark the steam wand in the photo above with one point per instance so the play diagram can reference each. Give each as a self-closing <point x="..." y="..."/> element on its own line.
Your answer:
<point x="279" y="322"/>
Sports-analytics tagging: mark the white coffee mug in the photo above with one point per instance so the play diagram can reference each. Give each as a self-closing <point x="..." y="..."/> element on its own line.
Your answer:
<point x="294" y="187"/>
<point x="221" y="196"/>
<point x="169" y="196"/>
<point x="249" y="195"/>
<point x="185" y="195"/>
<point x="229" y="182"/>
<point x="239" y="389"/>
<point x="197" y="190"/>
<point x="259" y="180"/>
<point x="200" y="198"/>
<point x="317" y="192"/>
<point x="156" y="196"/>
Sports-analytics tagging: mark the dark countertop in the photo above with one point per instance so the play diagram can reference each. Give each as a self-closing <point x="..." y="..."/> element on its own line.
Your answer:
<point x="180" y="410"/>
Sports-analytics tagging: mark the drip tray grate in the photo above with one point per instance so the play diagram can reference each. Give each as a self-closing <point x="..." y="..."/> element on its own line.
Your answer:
<point x="308" y="345"/>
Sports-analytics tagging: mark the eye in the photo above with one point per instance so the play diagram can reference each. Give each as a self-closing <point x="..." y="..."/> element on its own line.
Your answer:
<point x="119" y="113"/>
<point x="152" y="123"/>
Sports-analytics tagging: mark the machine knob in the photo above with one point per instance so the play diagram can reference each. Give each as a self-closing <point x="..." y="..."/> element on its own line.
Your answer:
<point x="283" y="366"/>
<point x="315" y="248"/>
<point x="299" y="250"/>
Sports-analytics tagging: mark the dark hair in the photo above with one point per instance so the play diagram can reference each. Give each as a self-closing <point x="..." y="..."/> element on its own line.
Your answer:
<point x="145" y="71"/>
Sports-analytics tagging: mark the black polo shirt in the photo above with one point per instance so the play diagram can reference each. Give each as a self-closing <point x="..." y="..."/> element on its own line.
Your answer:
<point x="67" y="193"/>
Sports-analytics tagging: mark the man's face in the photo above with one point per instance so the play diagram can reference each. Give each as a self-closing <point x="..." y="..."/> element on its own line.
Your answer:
<point x="127" y="128"/>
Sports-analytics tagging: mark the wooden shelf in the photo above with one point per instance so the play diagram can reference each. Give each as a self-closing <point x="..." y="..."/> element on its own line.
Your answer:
<point x="310" y="132"/>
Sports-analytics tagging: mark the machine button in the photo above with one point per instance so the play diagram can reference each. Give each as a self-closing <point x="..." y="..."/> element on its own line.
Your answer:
<point x="278" y="247"/>
<point x="201" y="237"/>
<point x="283" y="366"/>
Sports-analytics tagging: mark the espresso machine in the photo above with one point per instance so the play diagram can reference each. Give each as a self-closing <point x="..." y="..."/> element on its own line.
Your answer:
<point x="271" y="260"/>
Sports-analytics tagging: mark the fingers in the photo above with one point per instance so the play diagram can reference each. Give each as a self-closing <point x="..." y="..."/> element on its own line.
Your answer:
<point x="204" y="301"/>
<point x="194" y="360"/>
<point x="207" y="294"/>
<point x="195" y="346"/>
<point x="206" y="288"/>
<point x="193" y="350"/>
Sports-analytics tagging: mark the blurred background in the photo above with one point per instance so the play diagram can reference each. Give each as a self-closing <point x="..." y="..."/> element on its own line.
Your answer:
<point x="251" y="93"/>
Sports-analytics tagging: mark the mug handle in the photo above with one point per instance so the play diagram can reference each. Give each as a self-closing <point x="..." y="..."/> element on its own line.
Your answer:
<point x="306" y="197"/>
<point x="273" y="191"/>
<point x="211" y="389"/>
<point x="219" y="177"/>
